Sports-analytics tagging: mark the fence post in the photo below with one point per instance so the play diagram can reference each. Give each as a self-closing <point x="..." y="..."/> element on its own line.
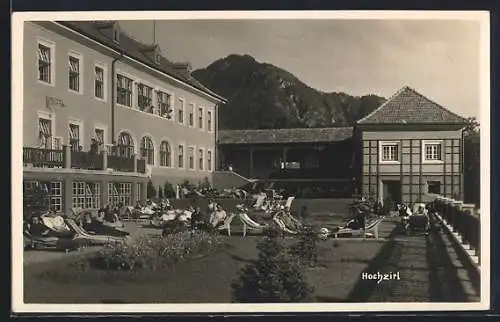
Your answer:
<point x="457" y="216"/>
<point x="104" y="159"/>
<point x="67" y="156"/>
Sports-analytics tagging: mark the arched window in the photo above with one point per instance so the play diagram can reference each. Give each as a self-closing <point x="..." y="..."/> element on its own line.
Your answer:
<point x="147" y="150"/>
<point x="165" y="154"/>
<point x="125" y="145"/>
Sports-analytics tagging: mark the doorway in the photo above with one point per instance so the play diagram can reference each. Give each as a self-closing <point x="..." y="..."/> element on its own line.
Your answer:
<point x="392" y="190"/>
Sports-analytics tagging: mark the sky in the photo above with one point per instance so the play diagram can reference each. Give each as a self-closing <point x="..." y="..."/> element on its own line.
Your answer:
<point x="438" y="58"/>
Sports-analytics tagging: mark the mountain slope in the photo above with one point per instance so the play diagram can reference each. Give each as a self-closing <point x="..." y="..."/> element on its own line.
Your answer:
<point x="261" y="95"/>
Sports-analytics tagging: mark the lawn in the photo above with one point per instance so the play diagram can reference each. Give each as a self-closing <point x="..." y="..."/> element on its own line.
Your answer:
<point x="427" y="273"/>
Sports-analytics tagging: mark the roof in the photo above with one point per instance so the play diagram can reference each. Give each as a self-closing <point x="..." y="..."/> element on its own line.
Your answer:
<point x="135" y="49"/>
<point x="277" y="136"/>
<point x="407" y="106"/>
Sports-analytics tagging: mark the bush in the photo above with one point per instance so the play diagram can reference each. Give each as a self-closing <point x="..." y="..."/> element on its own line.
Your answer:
<point x="273" y="277"/>
<point x="168" y="190"/>
<point x="306" y="250"/>
<point x="160" y="192"/>
<point x="205" y="184"/>
<point x="146" y="253"/>
<point x="151" y="190"/>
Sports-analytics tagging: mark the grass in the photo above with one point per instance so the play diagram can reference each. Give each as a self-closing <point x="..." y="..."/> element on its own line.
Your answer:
<point x="427" y="274"/>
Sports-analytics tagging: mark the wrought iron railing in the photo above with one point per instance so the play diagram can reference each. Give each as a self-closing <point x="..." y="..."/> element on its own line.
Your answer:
<point x="43" y="157"/>
<point x="121" y="163"/>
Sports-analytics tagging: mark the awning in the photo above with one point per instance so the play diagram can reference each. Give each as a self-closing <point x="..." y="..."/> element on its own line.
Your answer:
<point x="99" y="74"/>
<point x="44" y="54"/>
<point x="74" y="65"/>
<point x="74" y="132"/>
<point x="45" y="127"/>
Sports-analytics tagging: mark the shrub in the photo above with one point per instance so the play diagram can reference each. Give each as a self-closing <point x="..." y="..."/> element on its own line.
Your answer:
<point x="205" y="184"/>
<point x="168" y="190"/>
<point x="160" y="192"/>
<point x="146" y="253"/>
<point x="151" y="191"/>
<point x="272" y="277"/>
<point x="306" y="249"/>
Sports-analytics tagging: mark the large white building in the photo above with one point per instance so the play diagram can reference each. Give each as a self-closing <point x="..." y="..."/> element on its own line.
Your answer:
<point x="88" y="80"/>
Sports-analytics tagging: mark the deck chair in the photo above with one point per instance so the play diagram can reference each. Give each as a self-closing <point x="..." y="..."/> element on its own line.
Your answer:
<point x="373" y="226"/>
<point x="249" y="224"/>
<point x="282" y="226"/>
<point x="288" y="203"/>
<point x="95" y="239"/>
<point x="227" y="224"/>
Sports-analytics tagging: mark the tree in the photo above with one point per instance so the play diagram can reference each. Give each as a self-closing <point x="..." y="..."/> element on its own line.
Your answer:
<point x="273" y="277"/>
<point x="306" y="249"/>
<point x="168" y="190"/>
<point x="160" y="192"/>
<point x="472" y="162"/>
<point x="151" y="190"/>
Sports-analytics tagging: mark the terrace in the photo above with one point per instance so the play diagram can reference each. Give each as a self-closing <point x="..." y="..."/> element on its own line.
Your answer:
<point x="444" y="267"/>
<point x="68" y="159"/>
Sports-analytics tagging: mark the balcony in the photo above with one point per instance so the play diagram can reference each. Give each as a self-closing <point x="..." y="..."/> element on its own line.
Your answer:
<point x="65" y="158"/>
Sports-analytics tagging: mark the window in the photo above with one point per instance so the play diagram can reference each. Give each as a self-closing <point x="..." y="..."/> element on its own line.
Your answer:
<point x="57" y="143"/>
<point x="389" y="152"/>
<point x="180" y="112"/>
<point x="138" y="191"/>
<point x="145" y="98"/>
<point x="74" y="136"/>
<point x="191" y="157"/>
<point x="432" y="151"/>
<point x="209" y="160"/>
<point x="99" y="136"/>
<point x="180" y="156"/>
<point x="52" y="188"/>
<point x="165" y="154"/>
<point x="209" y="121"/>
<point x="74" y="73"/>
<point x="86" y="195"/>
<point x="45" y="63"/>
<point x="434" y="187"/>
<point x="124" y="90"/>
<point x="125" y="145"/>
<point x="191" y="115"/>
<point x="99" y="82"/>
<point x="45" y="133"/>
<point x="200" y="117"/>
<point x="164" y="104"/>
<point x="120" y="193"/>
<point x="147" y="150"/>
<point x="200" y="160"/>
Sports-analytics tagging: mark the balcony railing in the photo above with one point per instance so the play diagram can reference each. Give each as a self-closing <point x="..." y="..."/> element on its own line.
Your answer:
<point x="65" y="158"/>
<point x="141" y="166"/>
<point x="43" y="157"/>
<point x="121" y="163"/>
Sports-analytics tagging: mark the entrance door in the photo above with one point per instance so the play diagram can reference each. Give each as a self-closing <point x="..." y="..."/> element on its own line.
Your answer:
<point x="392" y="190"/>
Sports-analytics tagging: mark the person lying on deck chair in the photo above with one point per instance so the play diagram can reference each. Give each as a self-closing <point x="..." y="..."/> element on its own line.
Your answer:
<point x="37" y="228"/>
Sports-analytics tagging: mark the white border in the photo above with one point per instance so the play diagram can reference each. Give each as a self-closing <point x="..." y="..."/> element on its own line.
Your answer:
<point x="17" y="101"/>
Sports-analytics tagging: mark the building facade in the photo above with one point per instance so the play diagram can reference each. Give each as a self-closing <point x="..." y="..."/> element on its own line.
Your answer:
<point x="87" y="82"/>
<point x="301" y="157"/>
<point x="411" y="146"/>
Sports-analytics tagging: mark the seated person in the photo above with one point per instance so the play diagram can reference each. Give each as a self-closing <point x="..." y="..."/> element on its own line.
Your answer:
<point x="217" y="217"/>
<point x="37" y="229"/>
